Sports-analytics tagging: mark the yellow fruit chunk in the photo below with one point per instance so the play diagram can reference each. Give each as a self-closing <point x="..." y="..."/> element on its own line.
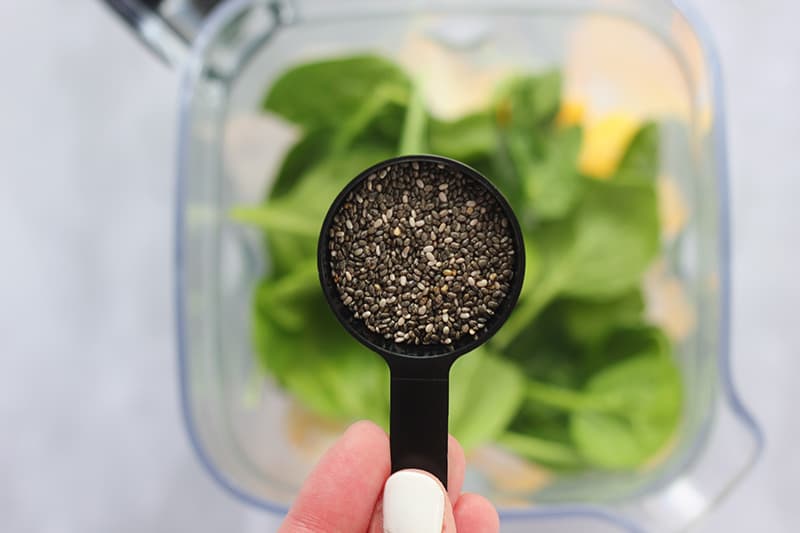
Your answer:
<point x="571" y="113"/>
<point x="604" y="143"/>
<point x="668" y="302"/>
<point x="672" y="207"/>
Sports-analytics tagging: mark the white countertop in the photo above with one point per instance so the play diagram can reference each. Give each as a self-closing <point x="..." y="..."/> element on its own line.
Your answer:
<point x="91" y="437"/>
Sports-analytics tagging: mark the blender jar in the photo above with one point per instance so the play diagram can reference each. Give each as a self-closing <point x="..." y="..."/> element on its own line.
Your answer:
<point x="650" y="58"/>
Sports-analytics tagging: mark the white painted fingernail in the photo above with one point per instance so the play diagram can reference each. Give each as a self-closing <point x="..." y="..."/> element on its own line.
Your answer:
<point x="412" y="503"/>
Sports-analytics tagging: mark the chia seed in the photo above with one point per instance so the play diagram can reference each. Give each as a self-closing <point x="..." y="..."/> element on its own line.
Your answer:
<point x="437" y="231"/>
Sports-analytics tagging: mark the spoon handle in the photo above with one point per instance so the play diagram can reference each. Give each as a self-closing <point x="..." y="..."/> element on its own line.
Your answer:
<point x="418" y="425"/>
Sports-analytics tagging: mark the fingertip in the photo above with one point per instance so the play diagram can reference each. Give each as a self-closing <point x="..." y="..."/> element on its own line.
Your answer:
<point x="475" y="514"/>
<point x="454" y="448"/>
<point x="456" y="464"/>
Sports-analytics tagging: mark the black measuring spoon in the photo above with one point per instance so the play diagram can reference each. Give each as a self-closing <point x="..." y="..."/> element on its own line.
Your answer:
<point x="359" y="242"/>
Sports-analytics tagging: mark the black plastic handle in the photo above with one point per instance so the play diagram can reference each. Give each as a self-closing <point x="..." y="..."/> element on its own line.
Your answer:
<point x="418" y="424"/>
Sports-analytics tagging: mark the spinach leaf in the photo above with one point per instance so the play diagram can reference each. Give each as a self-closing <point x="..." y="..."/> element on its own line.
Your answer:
<point x="278" y="217"/>
<point x="524" y="110"/>
<point x="415" y="126"/>
<point x="280" y="309"/>
<point x="640" y="160"/>
<point x="378" y="120"/>
<point x="599" y="252"/>
<point x="616" y="236"/>
<point x="571" y="339"/>
<point x="300" y="159"/>
<point x="318" y="188"/>
<point x="549" y="246"/>
<point x="590" y="322"/>
<point x="627" y="411"/>
<point x="505" y="175"/>
<point x="322" y="94"/>
<point x="552" y="183"/>
<point x="646" y="394"/>
<point x="485" y="394"/>
<point x="603" y="247"/>
<point x="295" y="331"/>
<point x="529" y="102"/>
<point x="626" y="341"/>
<point x="546" y="352"/>
<point x="466" y="139"/>
<point x="544" y="451"/>
<point x="348" y="382"/>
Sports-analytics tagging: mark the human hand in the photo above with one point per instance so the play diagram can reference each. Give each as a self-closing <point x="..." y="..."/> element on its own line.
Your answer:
<point x="351" y="491"/>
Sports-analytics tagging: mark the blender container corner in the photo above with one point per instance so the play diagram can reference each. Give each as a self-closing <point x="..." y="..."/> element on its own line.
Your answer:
<point x="651" y="57"/>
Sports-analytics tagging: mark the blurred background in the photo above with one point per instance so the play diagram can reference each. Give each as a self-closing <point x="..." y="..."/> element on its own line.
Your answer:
<point x="91" y="437"/>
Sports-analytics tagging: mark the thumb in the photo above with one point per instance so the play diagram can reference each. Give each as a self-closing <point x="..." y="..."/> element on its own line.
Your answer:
<point x="414" y="501"/>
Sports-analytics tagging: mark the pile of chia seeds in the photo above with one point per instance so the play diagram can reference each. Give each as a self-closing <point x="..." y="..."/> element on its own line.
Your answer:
<point x="422" y="253"/>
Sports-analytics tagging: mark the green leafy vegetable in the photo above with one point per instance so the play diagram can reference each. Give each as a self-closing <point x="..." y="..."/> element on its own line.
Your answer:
<point x="625" y="414"/>
<point x="531" y="150"/>
<point x="302" y="157"/>
<point x="640" y="160"/>
<point x="552" y="184"/>
<point x="615" y="238"/>
<point x="576" y="378"/>
<point x="600" y="251"/>
<point x="485" y="394"/>
<point x="466" y="139"/>
<point x="590" y="322"/>
<point x="530" y="102"/>
<point x="323" y="93"/>
<point x="640" y="406"/>
<point x="299" y="340"/>
<point x="542" y="450"/>
<point x="413" y="139"/>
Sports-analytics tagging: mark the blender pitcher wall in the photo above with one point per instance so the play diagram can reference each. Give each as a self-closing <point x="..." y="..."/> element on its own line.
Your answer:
<point x="240" y="48"/>
<point x="166" y="27"/>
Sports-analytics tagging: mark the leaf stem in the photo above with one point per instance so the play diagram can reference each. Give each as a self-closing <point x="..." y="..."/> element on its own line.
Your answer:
<point x="301" y="280"/>
<point x="569" y="399"/>
<point x="358" y="122"/>
<point x="554" y="396"/>
<point x="522" y="316"/>
<point x="275" y="218"/>
<point x="542" y="450"/>
<point x="412" y="140"/>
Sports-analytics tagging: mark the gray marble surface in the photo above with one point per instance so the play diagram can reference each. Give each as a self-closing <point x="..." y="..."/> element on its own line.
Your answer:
<point x="91" y="439"/>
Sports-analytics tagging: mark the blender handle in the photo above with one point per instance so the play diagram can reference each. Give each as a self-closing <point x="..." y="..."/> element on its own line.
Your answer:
<point x="166" y="27"/>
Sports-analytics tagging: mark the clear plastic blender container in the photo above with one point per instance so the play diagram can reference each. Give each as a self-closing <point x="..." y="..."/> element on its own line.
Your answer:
<point x="650" y="58"/>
